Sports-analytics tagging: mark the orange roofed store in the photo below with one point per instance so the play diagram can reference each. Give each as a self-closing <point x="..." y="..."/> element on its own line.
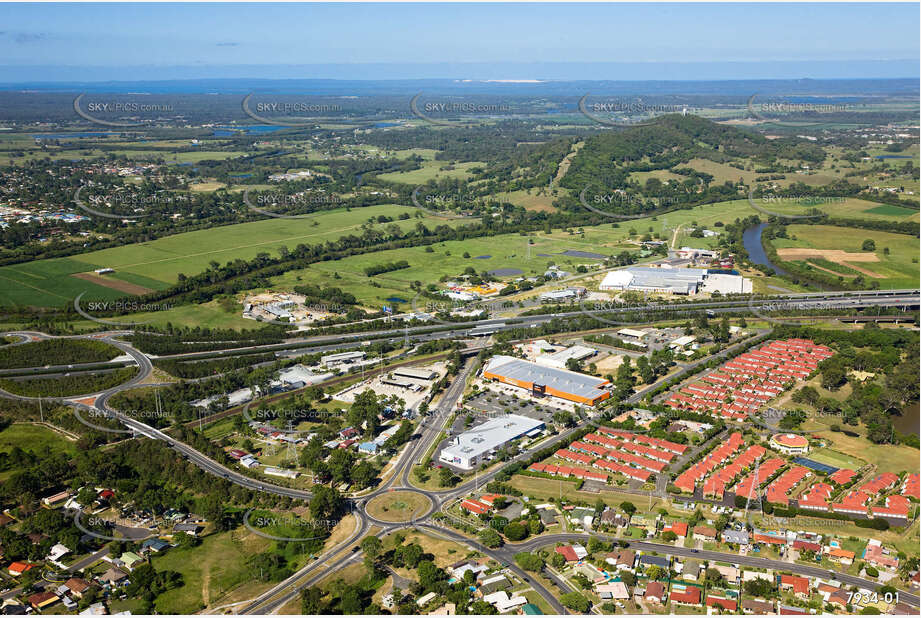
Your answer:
<point x="541" y="380"/>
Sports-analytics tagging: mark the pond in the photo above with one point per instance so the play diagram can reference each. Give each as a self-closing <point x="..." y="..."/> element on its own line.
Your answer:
<point x="907" y="422"/>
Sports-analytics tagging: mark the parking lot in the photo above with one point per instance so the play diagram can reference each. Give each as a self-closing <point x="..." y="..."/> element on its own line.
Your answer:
<point x="491" y="403"/>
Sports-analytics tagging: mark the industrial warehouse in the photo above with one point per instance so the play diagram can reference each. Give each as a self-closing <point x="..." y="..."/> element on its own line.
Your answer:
<point x="474" y="446"/>
<point x="684" y="281"/>
<point x="552" y="381"/>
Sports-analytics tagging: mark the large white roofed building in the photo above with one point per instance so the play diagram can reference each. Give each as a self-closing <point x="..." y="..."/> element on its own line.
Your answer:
<point x="471" y="447"/>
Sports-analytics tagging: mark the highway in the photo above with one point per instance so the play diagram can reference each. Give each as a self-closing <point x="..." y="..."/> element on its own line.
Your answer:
<point x="904" y="299"/>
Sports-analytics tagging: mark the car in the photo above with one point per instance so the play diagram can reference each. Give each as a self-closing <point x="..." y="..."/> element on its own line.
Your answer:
<point x="695" y="551"/>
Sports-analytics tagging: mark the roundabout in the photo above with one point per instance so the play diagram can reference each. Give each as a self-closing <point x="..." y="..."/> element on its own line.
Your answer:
<point x="399" y="506"/>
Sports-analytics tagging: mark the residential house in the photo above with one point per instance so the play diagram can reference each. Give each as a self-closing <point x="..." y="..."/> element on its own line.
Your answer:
<point x="841" y="556"/>
<point x="612" y="591"/>
<point x="502" y="602"/>
<point x="425" y="599"/>
<point x="188" y="528"/>
<point x="387" y="601"/>
<point x="113" y="576"/>
<point x="448" y="609"/>
<point x="736" y="537"/>
<point x="680" y="529"/>
<point x="799" y="585"/>
<point x="755" y="606"/>
<point x="77" y="586"/>
<point x="655" y="593"/>
<point x="493" y="584"/>
<point x="685" y="595"/>
<point x="803" y="545"/>
<point x="130" y="559"/>
<point x="547" y="517"/>
<point x="41" y="600"/>
<point x="659" y="561"/>
<point x="622" y="559"/>
<point x="56" y="499"/>
<point x="18" y="568"/>
<point x="459" y="569"/>
<point x="13" y="608"/>
<point x="839" y="597"/>
<point x="717" y="599"/>
<point x="729" y="572"/>
<point x="879" y="556"/>
<point x="154" y="545"/>
<point x="690" y="570"/>
<point x="57" y="552"/>
<point x="572" y="553"/>
<point x="704" y="533"/>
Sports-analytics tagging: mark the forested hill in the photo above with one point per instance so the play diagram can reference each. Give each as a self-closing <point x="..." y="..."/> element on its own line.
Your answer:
<point x="673" y="141"/>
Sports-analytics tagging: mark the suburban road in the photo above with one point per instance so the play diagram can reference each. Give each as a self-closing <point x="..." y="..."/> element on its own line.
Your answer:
<point x="702" y="554"/>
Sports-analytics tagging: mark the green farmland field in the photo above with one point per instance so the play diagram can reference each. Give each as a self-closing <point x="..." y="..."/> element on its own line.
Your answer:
<point x="157" y="263"/>
<point x="431" y="170"/>
<point x="848" y="208"/>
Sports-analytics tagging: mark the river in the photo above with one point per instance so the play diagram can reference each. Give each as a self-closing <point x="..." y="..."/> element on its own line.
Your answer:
<point x="751" y="239"/>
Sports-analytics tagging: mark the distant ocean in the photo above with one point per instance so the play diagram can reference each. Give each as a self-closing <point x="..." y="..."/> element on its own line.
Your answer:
<point x="401" y="87"/>
<point x="788" y="77"/>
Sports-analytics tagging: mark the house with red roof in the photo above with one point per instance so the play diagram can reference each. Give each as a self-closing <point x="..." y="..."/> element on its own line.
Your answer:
<point x="897" y="507"/>
<point x="18" y="568"/>
<point x="683" y="594"/>
<point x="839" y="555"/>
<point x="680" y="528"/>
<point x="880" y="483"/>
<point x="704" y="533"/>
<point x="816" y="497"/>
<point x="802" y="545"/>
<point x="716" y="600"/>
<point x="910" y="487"/>
<point x="879" y="556"/>
<point x="854" y="503"/>
<point x="799" y="585"/>
<point x="475" y="506"/>
<point x="655" y="593"/>
<point x="842" y="476"/>
<point x="572" y="553"/>
<point x="779" y="490"/>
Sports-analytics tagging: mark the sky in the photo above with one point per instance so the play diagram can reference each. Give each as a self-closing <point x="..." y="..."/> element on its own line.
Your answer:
<point x="177" y="39"/>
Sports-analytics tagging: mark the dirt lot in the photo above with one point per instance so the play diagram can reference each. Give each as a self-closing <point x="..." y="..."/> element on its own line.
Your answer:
<point x="837" y="256"/>
<point x="115" y="284"/>
<point x="609" y="364"/>
<point x="832" y="255"/>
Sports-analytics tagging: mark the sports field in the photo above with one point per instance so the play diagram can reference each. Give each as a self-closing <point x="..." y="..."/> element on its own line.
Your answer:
<point x="156" y="264"/>
<point x="897" y="269"/>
